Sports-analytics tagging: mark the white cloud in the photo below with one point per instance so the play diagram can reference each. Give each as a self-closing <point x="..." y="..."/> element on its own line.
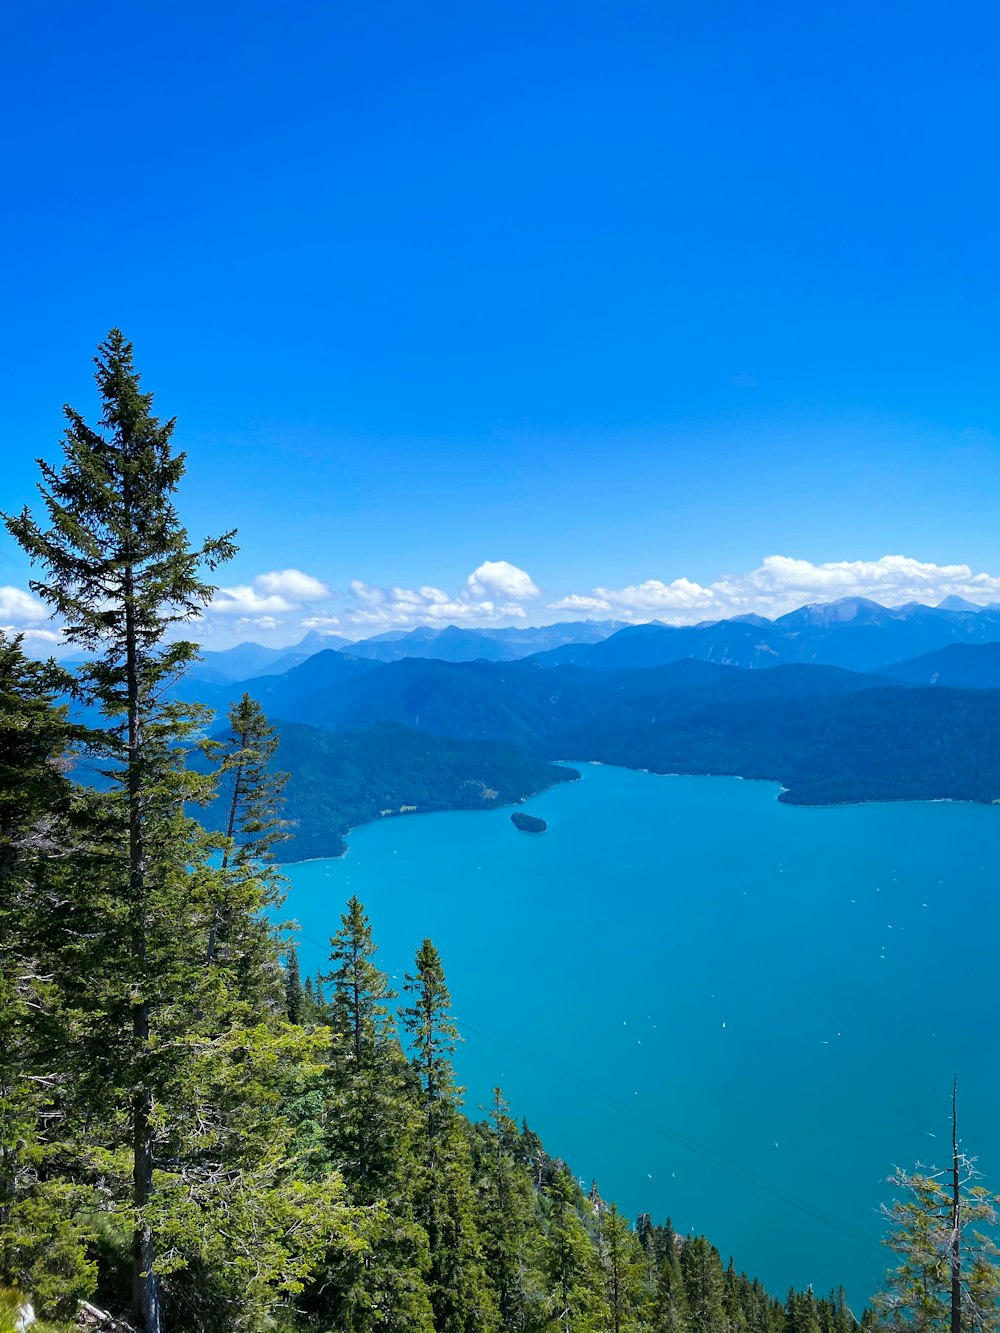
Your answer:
<point x="260" y="622"/>
<point x="499" y="578"/>
<point x="20" y="614"/>
<point x="782" y="583"/>
<point x="292" y="584"/>
<point x="500" y="593"/>
<point x="492" y="593"/>
<point x="42" y="636"/>
<point x="647" y="599"/>
<point x="242" y="600"/>
<point x="20" y="606"/>
<point x="270" y="594"/>
<point x="364" y="592"/>
<point x="577" y="602"/>
<point x="402" y="608"/>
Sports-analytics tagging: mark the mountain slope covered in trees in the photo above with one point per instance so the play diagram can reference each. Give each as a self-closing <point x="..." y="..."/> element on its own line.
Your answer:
<point x="964" y="666"/>
<point x="826" y="734"/>
<point x="338" y="780"/>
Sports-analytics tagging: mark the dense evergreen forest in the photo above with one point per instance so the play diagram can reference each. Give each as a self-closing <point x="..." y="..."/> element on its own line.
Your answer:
<point x="192" y="1138"/>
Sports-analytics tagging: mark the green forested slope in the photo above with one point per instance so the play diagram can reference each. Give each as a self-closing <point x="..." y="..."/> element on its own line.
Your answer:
<point x="875" y="745"/>
<point x="826" y="734"/>
<point x="338" y="780"/>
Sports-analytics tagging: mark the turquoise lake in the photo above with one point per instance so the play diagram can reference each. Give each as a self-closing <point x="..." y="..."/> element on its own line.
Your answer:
<point x="684" y="969"/>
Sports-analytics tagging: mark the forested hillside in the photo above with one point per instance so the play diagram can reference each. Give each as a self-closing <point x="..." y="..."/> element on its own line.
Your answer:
<point x="965" y="666"/>
<point x="826" y="734"/>
<point x="338" y="780"/>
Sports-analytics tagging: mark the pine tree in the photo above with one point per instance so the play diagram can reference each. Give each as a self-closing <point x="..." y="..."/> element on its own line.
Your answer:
<point x="370" y="1124"/>
<point x="531" y="1152"/>
<point x="295" y="999"/>
<point x="949" y="1274"/>
<point x="121" y="574"/>
<point x="624" y="1271"/>
<point x="576" y="1300"/>
<point x="703" y="1284"/>
<point x="460" y="1292"/>
<point x="186" y="1116"/>
<point x="369" y="1112"/>
<point x="761" y="1313"/>
<point x="254" y="792"/>
<point x="670" y="1306"/>
<point x="734" y="1299"/>
<point x="802" y="1314"/>
<point x="508" y="1220"/>
<point x="251" y="794"/>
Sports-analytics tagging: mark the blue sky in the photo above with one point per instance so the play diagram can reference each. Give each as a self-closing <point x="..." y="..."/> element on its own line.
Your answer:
<point x="619" y="296"/>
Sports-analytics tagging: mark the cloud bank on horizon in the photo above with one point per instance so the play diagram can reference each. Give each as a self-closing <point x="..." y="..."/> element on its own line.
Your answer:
<point x="280" y="604"/>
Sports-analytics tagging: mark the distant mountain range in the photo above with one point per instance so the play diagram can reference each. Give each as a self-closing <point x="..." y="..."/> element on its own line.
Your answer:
<point x="846" y="701"/>
<point x="854" y="633"/>
<point x="450" y="644"/>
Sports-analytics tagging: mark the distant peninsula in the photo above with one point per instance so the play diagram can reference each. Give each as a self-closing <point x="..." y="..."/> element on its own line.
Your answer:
<point x="342" y="779"/>
<point x="528" y="823"/>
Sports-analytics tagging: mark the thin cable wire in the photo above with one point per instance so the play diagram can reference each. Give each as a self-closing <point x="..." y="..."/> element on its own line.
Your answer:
<point x="640" y="1117"/>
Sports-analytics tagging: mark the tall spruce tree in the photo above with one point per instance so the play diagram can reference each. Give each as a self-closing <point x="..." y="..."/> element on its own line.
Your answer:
<point x="252" y="790"/>
<point x="189" y="1136"/>
<point x="251" y="794"/>
<point x="511" y="1243"/>
<point x="461" y="1295"/>
<point x="121" y="574"/>
<point x="624" y="1272"/>
<point x="703" y="1283"/>
<point x="295" y="996"/>
<point x="370" y="1124"/>
<point x="366" y="1074"/>
<point x="662" y="1245"/>
<point x="576" y="1301"/>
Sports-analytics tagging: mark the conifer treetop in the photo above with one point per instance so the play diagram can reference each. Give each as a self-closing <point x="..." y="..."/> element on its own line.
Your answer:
<point x="113" y="535"/>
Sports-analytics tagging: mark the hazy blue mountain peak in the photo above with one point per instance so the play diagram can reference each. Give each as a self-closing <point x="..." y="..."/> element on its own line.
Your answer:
<point x="842" y="611"/>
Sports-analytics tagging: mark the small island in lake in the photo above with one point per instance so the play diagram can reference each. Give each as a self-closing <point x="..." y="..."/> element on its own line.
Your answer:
<point x="528" y="823"/>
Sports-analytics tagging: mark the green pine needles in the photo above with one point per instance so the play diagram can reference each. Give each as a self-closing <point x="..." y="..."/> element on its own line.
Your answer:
<point x="947" y="1275"/>
<point x="182" y="1060"/>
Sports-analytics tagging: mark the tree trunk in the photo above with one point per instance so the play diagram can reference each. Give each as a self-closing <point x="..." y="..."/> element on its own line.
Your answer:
<point x="956" y="1220"/>
<point x="146" y="1302"/>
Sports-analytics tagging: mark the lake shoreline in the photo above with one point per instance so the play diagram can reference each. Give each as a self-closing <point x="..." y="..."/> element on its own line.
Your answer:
<point x="780" y="796"/>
